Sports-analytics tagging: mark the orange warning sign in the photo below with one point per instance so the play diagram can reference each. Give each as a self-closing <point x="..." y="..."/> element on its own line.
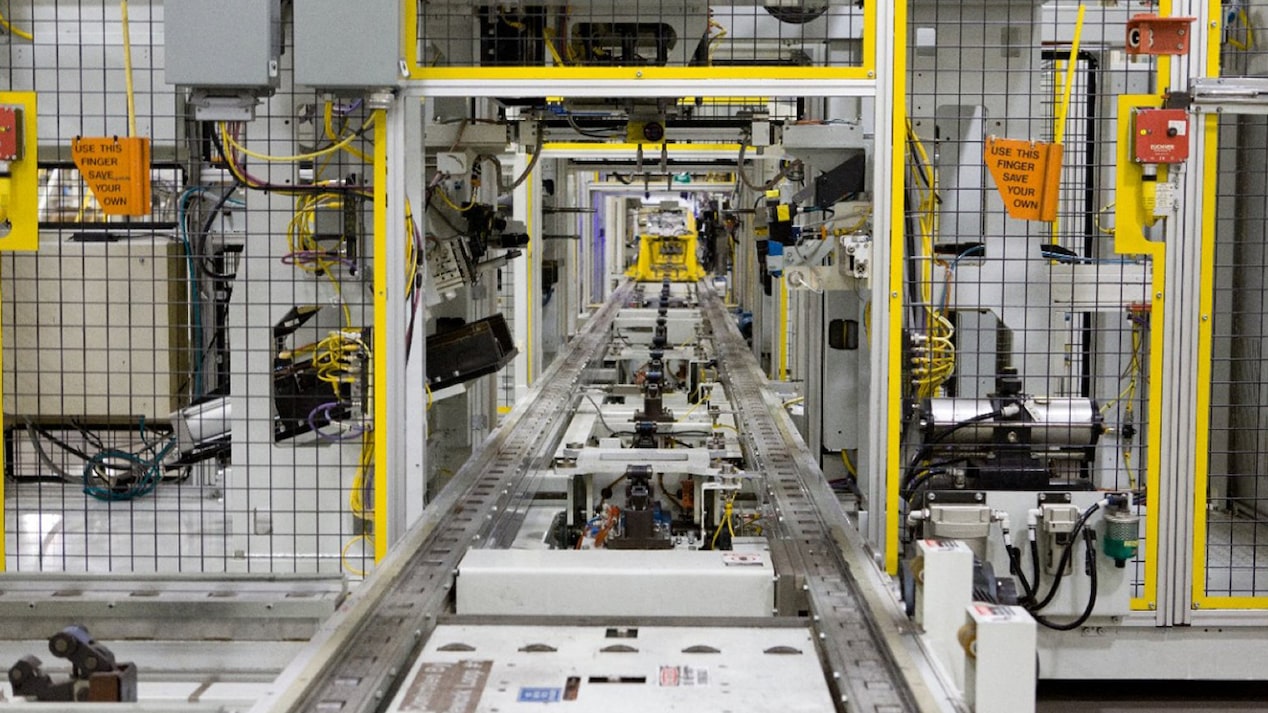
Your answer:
<point x="117" y="170"/>
<point x="1028" y="176"/>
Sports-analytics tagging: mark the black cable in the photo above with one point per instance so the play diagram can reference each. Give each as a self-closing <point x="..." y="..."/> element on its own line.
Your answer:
<point x="1036" y="573"/>
<point x="60" y="443"/>
<point x="927" y="447"/>
<point x="1089" y="538"/>
<point x="204" y="234"/>
<point x="1066" y="553"/>
<point x="909" y="491"/>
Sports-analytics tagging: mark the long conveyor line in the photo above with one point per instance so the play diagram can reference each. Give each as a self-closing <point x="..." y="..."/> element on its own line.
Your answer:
<point x="357" y="658"/>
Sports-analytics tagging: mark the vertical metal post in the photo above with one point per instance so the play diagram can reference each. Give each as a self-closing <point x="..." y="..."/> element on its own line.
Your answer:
<point x="885" y="388"/>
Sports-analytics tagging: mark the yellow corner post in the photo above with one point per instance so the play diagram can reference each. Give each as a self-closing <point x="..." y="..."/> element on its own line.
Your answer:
<point x="897" y="216"/>
<point x="1206" y="309"/>
<point x="381" y="385"/>
<point x="1129" y="239"/>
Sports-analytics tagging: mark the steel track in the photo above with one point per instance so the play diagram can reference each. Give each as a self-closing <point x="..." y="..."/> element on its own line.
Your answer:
<point x="355" y="662"/>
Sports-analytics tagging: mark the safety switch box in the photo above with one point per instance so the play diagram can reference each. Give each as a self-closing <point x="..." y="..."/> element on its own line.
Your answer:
<point x="1162" y="136"/>
<point x="19" y="173"/>
<point x="10" y="133"/>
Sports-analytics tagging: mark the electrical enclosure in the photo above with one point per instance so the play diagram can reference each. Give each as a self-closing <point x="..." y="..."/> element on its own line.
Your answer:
<point x="331" y="47"/>
<point x="225" y="44"/>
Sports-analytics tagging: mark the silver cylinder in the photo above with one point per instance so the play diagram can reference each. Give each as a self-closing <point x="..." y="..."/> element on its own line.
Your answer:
<point x="1059" y="422"/>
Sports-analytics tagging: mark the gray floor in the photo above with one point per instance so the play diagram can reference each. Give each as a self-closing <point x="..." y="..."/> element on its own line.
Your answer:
<point x="54" y="527"/>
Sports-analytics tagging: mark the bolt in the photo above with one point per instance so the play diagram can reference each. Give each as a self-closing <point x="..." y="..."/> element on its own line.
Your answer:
<point x="871" y="75"/>
<point x="893" y="294"/>
<point x="978" y="497"/>
<point x="638" y="75"/>
<point x="90" y="662"/>
<point x="1205" y="317"/>
<point x="1157" y="295"/>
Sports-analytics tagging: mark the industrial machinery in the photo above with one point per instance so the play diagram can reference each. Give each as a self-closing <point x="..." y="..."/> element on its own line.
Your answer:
<point x="96" y="677"/>
<point x="640" y="356"/>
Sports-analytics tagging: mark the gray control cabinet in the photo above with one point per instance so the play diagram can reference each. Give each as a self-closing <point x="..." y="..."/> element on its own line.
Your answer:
<point x="232" y="44"/>
<point x="347" y="45"/>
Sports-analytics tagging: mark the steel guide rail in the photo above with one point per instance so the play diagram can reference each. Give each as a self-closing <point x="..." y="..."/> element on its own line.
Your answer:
<point x="863" y="668"/>
<point x="355" y="661"/>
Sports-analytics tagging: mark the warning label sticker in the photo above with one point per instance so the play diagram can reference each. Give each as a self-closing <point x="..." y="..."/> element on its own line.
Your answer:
<point x="683" y="676"/>
<point x="448" y="687"/>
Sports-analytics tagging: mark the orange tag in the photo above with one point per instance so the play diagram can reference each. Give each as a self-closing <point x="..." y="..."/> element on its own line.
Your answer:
<point x="117" y="171"/>
<point x="1027" y="175"/>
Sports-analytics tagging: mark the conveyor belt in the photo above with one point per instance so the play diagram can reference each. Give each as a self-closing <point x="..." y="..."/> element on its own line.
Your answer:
<point x="861" y="665"/>
<point x="354" y="663"/>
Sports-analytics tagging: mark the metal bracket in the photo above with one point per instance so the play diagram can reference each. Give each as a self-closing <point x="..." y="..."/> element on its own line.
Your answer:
<point x="1239" y="95"/>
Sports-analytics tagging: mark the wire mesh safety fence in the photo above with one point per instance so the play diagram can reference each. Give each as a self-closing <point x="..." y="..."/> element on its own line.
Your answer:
<point x="1001" y="307"/>
<point x="1236" y="508"/>
<point x="186" y="390"/>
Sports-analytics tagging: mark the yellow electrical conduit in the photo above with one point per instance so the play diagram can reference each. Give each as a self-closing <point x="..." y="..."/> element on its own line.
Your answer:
<point x="336" y="139"/>
<point x="127" y="67"/>
<point x="15" y="31"/>
<point x="234" y="144"/>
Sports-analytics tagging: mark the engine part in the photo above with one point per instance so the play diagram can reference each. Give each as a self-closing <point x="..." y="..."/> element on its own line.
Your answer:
<point x="95" y="675"/>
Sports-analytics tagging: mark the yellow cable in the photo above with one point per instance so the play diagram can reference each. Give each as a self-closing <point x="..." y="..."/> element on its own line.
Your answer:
<point x="330" y="134"/>
<point x="127" y="67"/>
<point x="236" y="146"/>
<point x="427" y="388"/>
<point x="343" y="556"/>
<point x="849" y="465"/>
<point x="444" y="197"/>
<point x="1058" y="134"/>
<point x="15" y="31"/>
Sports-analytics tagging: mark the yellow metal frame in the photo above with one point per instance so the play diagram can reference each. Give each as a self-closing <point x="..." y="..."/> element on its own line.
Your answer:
<point x="898" y="207"/>
<point x="23" y="213"/>
<point x="1206" y="308"/>
<point x="24" y="179"/>
<point x="381" y="386"/>
<point x="409" y="40"/>
<point x="781" y="373"/>
<point x="1129" y="239"/>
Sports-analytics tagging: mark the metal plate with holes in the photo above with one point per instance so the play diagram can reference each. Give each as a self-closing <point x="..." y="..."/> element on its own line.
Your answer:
<point x="618" y="670"/>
